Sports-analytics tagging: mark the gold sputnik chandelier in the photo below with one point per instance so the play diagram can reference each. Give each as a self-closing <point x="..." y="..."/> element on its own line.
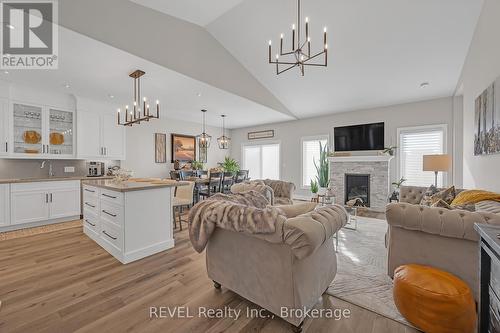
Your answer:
<point x="300" y="54"/>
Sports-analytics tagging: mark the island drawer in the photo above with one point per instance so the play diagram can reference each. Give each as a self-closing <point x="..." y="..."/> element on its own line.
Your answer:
<point x="111" y="213"/>
<point x="91" y="221"/>
<point x="91" y="204"/>
<point x="89" y="191"/>
<point x="112" y="196"/>
<point x="112" y="234"/>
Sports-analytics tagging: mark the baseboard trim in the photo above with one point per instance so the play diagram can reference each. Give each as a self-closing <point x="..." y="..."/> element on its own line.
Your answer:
<point x="147" y="251"/>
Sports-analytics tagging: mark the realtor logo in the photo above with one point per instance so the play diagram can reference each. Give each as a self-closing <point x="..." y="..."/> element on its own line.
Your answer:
<point x="29" y="34"/>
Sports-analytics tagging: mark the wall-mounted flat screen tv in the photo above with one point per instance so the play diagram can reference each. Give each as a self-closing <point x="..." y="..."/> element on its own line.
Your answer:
<point x="359" y="137"/>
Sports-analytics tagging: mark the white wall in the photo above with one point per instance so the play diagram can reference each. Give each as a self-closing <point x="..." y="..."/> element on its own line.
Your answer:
<point x="437" y="111"/>
<point x="481" y="68"/>
<point x="141" y="146"/>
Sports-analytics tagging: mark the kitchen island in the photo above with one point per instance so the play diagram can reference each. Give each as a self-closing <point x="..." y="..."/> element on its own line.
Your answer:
<point x="130" y="220"/>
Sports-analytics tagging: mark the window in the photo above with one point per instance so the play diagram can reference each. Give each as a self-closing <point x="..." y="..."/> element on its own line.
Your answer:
<point x="310" y="153"/>
<point x="262" y="161"/>
<point x="414" y="143"/>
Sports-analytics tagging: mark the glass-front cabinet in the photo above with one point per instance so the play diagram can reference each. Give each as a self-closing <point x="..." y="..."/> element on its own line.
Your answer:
<point x="60" y="132"/>
<point x="39" y="130"/>
<point x="28" y="131"/>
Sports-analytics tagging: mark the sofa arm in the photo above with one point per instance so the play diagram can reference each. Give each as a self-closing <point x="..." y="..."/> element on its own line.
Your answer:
<point x="307" y="232"/>
<point x="438" y="221"/>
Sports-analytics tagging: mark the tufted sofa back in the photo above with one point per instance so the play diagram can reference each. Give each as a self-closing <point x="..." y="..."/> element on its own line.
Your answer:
<point x="414" y="194"/>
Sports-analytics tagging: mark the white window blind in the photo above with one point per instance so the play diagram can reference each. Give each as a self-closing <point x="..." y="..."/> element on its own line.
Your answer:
<point x="310" y="153"/>
<point x="414" y="143"/>
<point x="262" y="161"/>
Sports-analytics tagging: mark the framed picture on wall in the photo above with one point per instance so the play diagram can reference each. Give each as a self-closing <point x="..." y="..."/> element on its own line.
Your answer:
<point x="183" y="148"/>
<point x="487" y="121"/>
<point x="160" y="148"/>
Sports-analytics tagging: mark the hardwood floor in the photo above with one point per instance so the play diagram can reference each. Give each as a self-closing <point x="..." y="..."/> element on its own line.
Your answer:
<point x="63" y="282"/>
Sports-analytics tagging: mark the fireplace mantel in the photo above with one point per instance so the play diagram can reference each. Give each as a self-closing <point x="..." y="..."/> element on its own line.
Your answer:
<point x="362" y="158"/>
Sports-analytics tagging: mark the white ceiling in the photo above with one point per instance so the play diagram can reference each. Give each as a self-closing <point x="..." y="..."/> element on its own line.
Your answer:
<point x="200" y="12"/>
<point x="379" y="51"/>
<point x="96" y="70"/>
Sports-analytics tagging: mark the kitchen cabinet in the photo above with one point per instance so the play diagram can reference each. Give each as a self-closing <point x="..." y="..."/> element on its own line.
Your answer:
<point x="4" y="205"/>
<point x="44" y="201"/>
<point x="99" y="136"/>
<point x="4" y="127"/>
<point x="39" y="131"/>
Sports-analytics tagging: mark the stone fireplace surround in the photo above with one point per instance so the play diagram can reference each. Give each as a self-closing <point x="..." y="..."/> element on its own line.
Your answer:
<point x="376" y="166"/>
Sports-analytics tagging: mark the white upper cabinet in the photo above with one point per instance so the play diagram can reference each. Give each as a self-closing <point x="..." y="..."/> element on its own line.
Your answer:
<point x="4" y="127"/>
<point x="113" y="138"/>
<point x="99" y="136"/>
<point x="89" y="135"/>
<point x="41" y="132"/>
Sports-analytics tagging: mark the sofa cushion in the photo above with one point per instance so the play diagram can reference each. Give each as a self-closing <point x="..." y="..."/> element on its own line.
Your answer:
<point x="297" y="209"/>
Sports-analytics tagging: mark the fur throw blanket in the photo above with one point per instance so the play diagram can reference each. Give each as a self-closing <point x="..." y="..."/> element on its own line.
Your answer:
<point x="245" y="212"/>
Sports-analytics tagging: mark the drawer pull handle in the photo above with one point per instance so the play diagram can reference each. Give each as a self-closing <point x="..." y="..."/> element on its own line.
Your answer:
<point x="90" y="205"/>
<point x="109" y="196"/>
<point x="114" y="215"/>
<point x="89" y="190"/>
<point x="104" y="232"/>
<point x="92" y="224"/>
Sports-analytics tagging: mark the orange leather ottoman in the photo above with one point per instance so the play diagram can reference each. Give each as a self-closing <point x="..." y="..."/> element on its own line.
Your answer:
<point x="434" y="301"/>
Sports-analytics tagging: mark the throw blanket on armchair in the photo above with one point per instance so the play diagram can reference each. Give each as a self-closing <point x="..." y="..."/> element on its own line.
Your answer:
<point x="474" y="196"/>
<point x="245" y="212"/>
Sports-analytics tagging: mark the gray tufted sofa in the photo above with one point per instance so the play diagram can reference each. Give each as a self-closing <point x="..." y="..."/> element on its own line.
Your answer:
<point x="436" y="237"/>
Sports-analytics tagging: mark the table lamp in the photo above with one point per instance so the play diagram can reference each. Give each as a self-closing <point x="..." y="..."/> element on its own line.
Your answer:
<point x="437" y="163"/>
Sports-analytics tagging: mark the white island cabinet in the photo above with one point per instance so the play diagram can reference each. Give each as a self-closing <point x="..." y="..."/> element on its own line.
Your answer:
<point x="129" y="220"/>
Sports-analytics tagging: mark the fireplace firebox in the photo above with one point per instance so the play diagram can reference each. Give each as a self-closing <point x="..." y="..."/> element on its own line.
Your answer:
<point x="357" y="186"/>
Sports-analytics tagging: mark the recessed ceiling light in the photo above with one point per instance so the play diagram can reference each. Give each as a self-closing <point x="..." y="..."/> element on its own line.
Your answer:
<point x="66" y="85"/>
<point x="198" y="94"/>
<point x="10" y="26"/>
<point x="111" y="96"/>
<point x="424" y="84"/>
<point x="6" y="72"/>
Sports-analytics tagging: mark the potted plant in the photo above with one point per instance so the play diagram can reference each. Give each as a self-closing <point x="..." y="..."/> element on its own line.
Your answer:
<point x="314" y="187"/>
<point x="389" y="150"/>
<point x="322" y="169"/>
<point x="197" y="165"/>
<point x="395" y="194"/>
<point x="230" y="165"/>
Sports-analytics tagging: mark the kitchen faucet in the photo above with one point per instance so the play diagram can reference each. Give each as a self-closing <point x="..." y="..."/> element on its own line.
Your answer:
<point x="51" y="172"/>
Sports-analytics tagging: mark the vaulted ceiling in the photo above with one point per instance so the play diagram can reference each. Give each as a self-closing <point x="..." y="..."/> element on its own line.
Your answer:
<point x="379" y="51"/>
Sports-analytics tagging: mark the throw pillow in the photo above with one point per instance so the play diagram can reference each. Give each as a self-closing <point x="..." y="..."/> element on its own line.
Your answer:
<point x="442" y="204"/>
<point x="447" y="195"/>
<point x="426" y="199"/>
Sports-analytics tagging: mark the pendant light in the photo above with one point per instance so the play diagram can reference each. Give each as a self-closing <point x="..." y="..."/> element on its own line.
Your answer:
<point x="223" y="140"/>
<point x="203" y="138"/>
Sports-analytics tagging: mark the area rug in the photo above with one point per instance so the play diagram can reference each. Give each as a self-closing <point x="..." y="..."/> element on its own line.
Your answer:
<point x="362" y="269"/>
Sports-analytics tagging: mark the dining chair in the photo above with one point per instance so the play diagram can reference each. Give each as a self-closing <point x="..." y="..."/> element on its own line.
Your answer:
<point x="213" y="186"/>
<point x="175" y="175"/>
<point x="183" y="199"/>
<point x="186" y="174"/>
<point x="202" y="173"/>
<point x="227" y="181"/>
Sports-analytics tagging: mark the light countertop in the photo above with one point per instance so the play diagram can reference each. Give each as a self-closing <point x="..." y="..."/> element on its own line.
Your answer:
<point x="129" y="186"/>
<point x="49" y="179"/>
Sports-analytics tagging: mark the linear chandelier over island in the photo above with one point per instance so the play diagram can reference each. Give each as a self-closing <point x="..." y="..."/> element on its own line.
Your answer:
<point x="299" y="56"/>
<point x="135" y="115"/>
